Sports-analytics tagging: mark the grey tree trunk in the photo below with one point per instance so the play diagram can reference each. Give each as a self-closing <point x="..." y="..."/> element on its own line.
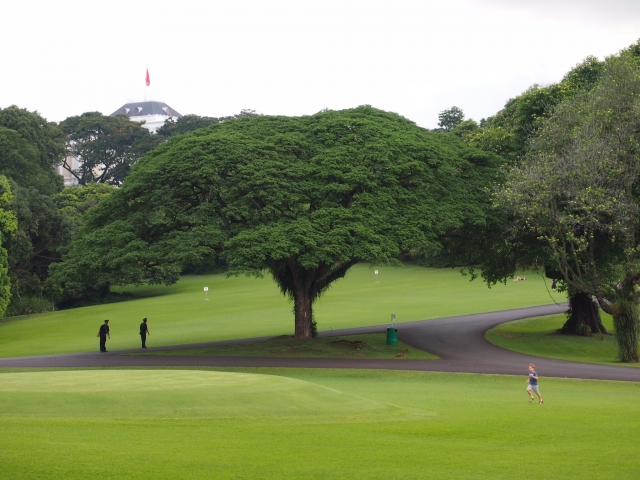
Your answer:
<point x="626" y="325"/>
<point x="583" y="316"/>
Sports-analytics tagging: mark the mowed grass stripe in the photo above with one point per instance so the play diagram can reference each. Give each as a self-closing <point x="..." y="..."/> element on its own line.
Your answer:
<point x="241" y="307"/>
<point x="470" y="426"/>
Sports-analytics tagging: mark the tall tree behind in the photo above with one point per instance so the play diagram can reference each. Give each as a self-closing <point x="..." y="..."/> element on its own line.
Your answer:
<point x="449" y="119"/>
<point x="184" y="124"/>
<point x="105" y="147"/>
<point x="30" y="149"/>
<point x="190" y="123"/>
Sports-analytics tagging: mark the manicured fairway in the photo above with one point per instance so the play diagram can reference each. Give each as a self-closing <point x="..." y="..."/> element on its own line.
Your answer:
<point x="537" y="336"/>
<point x="279" y="423"/>
<point x="248" y="307"/>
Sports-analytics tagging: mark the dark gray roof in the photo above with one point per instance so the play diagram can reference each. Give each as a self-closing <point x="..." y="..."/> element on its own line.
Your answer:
<point x="140" y="109"/>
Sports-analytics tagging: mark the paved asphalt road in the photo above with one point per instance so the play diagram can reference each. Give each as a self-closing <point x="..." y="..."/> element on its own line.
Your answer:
<point x="458" y="341"/>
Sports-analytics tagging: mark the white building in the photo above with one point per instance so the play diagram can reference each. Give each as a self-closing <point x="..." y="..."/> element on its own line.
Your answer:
<point x="151" y="112"/>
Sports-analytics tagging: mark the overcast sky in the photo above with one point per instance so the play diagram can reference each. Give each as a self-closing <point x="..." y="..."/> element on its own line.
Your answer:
<point x="216" y="57"/>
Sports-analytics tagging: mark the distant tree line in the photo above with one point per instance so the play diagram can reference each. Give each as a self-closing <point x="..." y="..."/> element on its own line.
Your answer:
<point x="39" y="218"/>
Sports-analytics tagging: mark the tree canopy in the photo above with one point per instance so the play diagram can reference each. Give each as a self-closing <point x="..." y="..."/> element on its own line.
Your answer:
<point x="46" y="137"/>
<point x="104" y="146"/>
<point x="190" y="123"/>
<point x="303" y="198"/>
<point x="30" y="148"/>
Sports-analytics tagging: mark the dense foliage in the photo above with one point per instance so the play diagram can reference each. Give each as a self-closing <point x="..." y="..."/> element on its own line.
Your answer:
<point x="578" y="193"/>
<point x="30" y="148"/>
<point x="8" y="225"/>
<point x="501" y="249"/>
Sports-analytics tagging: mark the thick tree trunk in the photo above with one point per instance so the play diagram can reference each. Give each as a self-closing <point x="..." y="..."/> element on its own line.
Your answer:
<point x="304" y="286"/>
<point x="302" y="307"/>
<point x="583" y="316"/>
<point x="626" y="325"/>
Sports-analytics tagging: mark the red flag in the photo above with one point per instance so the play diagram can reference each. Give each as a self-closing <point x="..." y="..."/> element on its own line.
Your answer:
<point x="147" y="80"/>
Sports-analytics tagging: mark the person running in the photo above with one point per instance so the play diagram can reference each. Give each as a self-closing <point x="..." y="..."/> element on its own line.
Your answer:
<point x="144" y="331"/>
<point x="103" y="333"/>
<point x="533" y="384"/>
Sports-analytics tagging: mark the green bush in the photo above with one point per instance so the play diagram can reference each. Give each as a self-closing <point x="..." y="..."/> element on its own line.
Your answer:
<point x="28" y="305"/>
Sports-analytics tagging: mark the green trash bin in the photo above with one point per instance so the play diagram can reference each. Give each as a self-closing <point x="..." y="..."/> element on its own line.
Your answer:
<point x="392" y="336"/>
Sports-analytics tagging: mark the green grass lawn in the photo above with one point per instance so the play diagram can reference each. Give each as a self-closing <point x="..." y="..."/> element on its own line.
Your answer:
<point x="353" y="346"/>
<point x="248" y="307"/>
<point x="537" y="336"/>
<point x="312" y="424"/>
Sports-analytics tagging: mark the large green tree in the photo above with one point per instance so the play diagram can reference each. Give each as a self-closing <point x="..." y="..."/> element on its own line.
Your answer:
<point x="302" y="198"/>
<point x="105" y="147"/>
<point x="578" y="193"/>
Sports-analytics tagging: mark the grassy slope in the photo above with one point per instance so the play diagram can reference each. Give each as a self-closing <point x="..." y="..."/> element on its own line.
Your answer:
<point x="247" y="307"/>
<point x="312" y="424"/>
<point x="353" y="346"/>
<point x="537" y="336"/>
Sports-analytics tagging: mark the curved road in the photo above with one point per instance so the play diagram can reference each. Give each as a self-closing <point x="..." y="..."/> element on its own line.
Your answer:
<point x="458" y="341"/>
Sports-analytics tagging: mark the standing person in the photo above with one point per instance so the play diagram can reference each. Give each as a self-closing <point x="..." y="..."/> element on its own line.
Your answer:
<point x="533" y="384"/>
<point x="103" y="333"/>
<point x="144" y="331"/>
<point x="554" y="285"/>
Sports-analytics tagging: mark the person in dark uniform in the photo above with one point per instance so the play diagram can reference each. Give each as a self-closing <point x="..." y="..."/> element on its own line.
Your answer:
<point x="144" y="331"/>
<point x="103" y="333"/>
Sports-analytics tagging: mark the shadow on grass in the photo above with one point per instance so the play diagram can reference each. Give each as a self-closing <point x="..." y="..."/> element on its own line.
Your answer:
<point x="371" y="346"/>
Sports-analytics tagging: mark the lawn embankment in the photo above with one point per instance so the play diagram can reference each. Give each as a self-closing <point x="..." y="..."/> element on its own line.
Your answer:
<point x="538" y="336"/>
<point x="372" y="346"/>
<point x="315" y="424"/>
<point x="241" y="307"/>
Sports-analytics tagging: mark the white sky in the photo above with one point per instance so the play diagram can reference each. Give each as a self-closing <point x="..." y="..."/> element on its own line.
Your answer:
<point x="216" y="57"/>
